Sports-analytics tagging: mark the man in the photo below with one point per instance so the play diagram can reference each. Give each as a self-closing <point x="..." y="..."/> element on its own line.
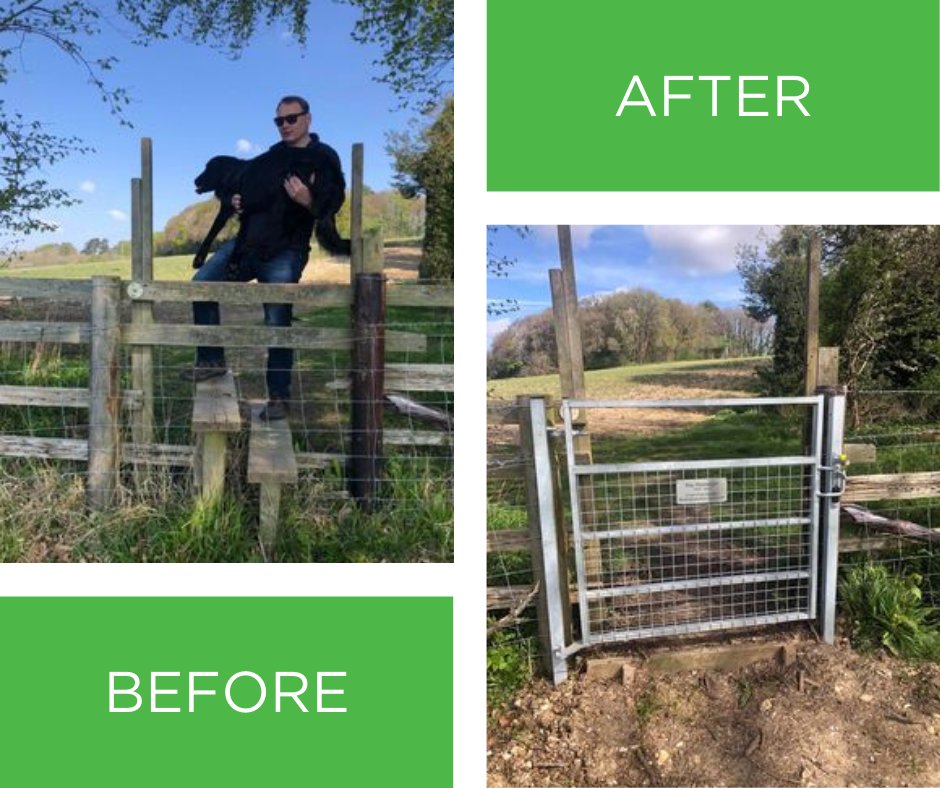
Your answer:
<point x="282" y="264"/>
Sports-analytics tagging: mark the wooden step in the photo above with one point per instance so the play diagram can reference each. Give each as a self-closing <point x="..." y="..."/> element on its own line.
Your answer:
<point x="270" y="451"/>
<point x="215" y="406"/>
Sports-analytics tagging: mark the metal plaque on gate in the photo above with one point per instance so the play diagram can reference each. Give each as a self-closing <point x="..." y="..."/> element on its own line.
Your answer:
<point x="701" y="491"/>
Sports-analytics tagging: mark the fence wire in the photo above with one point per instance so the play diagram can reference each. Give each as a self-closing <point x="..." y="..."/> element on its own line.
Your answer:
<point x="413" y="512"/>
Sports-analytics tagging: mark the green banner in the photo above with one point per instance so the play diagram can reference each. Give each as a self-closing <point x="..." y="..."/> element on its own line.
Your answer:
<point x="227" y="691"/>
<point x="692" y="96"/>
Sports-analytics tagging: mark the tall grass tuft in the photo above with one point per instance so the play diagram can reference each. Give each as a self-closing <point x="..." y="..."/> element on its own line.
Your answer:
<point x="887" y="610"/>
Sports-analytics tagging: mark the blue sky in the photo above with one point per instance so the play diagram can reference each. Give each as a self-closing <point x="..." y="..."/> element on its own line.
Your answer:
<point x="196" y="103"/>
<point x="692" y="264"/>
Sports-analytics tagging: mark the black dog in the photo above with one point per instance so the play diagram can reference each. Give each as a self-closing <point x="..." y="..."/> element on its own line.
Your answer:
<point x="264" y="204"/>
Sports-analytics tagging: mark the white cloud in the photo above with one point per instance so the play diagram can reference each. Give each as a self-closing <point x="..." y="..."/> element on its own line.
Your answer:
<point x="88" y="187"/>
<point x="701" y="250"/>
<point x="494" y="327"/>
<point x="247" y="146"/>
<point x="118" y="216"/>
<point x="580" y="234"/>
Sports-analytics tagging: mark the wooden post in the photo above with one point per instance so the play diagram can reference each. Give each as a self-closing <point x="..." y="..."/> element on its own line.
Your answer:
<point x="573" y="327"/>
<point x="368" y="376"/>
<point x="355" y="212"/>
<point x="554" y="591"/>
<point x="813" y="257"/>
<point x="105" y="404"/>
<point x="827" y="368"/>
<point x="142" y="311"/>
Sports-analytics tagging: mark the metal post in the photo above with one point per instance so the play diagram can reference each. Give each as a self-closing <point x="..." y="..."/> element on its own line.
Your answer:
<point x="551" y="562"/>
<point x="832" y="482"/>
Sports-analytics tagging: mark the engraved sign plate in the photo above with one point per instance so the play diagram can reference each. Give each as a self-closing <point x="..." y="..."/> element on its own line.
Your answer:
<point x="701" y="491"/>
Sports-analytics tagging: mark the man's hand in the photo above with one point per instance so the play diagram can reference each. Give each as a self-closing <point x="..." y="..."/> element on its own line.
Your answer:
<point x="298" y="191"/>
<point x="237" y="203"/>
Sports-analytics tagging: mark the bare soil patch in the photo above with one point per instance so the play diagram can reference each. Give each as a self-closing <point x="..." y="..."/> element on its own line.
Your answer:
<point x="833" y="717"/>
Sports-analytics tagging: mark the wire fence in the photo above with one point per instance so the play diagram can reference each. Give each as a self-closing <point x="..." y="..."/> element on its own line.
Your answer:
<point x="893" y="494"/>
<point x="46" y="422"/>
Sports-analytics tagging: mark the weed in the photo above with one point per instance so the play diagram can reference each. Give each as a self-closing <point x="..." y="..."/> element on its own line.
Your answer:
<point x="745" y="691"/>
<point x="646" y="705"/>
<point x="508" y="667"/>
<point x="887" y="610"/>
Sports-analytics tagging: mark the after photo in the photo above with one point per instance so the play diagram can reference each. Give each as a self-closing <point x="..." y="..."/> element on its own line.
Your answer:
<point x="713" y="494"/>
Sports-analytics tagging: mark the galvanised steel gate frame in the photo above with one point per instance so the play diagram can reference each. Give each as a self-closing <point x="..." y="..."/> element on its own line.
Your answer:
<point x="683" y="546"/>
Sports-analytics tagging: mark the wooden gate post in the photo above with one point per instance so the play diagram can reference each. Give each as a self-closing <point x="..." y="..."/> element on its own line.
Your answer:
<point x="104" y="410"/>
<point x="142" y="272"/>
<point x="368" y="375"/>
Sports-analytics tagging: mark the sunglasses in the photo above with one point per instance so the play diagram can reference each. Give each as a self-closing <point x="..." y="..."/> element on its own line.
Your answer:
<point x="290" y="120"/>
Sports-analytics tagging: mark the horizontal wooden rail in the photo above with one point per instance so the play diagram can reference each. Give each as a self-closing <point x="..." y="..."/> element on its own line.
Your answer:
<point x="892" y="486"/>
<point x="38" y="331"/>
<point x="52" y="397"/>
<point x="411" y="377"/>
<point x="304" y="295"/>
<point x="416" y="438"/>
<point x="46" y="289"/>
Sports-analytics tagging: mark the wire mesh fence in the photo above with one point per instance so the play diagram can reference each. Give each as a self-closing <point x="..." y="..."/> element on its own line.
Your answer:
<point x="896" y="439"/>
<point x="154" y="484"/>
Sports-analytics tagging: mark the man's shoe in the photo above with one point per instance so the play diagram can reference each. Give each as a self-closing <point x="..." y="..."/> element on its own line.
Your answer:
<point x="275" y="410"/>
<point x="201" y="372"/>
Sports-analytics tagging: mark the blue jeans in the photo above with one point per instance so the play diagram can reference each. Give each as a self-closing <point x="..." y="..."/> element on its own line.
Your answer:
<point x="284" y="268"/>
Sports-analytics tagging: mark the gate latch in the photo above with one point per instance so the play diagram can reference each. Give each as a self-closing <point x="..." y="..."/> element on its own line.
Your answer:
<point x="837" y="480"/>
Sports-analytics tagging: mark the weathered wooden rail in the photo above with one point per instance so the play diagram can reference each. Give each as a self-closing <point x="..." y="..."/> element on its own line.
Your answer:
<point x="109" y="333"/>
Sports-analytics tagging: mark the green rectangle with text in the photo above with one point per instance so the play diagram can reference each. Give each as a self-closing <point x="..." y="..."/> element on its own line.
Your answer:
<point x="227" y="691"/>
<point x="730" y="96"/>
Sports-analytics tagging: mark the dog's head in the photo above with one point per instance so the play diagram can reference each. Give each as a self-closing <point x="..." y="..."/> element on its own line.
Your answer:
<point x="221" y="174"/>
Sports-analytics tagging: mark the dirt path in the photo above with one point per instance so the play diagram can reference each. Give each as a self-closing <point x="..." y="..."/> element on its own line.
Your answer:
<point x="858" y="720"/>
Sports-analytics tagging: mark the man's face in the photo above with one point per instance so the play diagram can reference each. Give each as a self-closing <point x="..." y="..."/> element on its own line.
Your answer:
<point x="296" y="132"/>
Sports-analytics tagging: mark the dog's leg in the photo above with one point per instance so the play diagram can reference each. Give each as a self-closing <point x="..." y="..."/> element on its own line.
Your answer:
<point x="224" y="214"/>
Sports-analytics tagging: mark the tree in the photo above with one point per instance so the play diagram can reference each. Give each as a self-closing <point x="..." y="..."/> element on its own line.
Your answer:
<point x="498" y="265"/>
<point x="417" y="39"/>
<point x="426" y="166"/>
<point x="96" y="247"/>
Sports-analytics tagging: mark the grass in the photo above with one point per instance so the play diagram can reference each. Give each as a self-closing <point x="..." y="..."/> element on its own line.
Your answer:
<point x="167" y="269"/>
<point x="611" y="383"/>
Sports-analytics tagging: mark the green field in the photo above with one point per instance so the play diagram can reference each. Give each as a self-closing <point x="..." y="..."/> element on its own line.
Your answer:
<point x="172" y="269"/>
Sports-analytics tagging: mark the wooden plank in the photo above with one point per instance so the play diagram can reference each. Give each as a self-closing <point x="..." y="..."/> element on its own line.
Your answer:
<point x="368" y="382"/>
<point x="167" y="454"/>
<point x="509" y="597"/>
<point x="318" y="460"/>
<point x="811" y="352"/>
<point x="892" y="486"/>
<point x="211" y="461"/>
<point x="498" y="413"/>
<point x="827" y="366"/>
<point x="865" y="544"/>
<point x="255" y="336"/>
<point x="417" y="438"/>
<point x="46" y="289"/>
<point x="507" y="541"/>
<point x="215" y="406"/>
<point x="410" y="377"/>
<point x="860" y="452"/>
<point x="104" y="408"/>
<point x="355" y="210"/>
<point x="38" y="331"/>
<point x="236" y="293"/>
<point x="44" y="396"/>
<point x="509" y="471"/>
<point x="43" y="448"/>
<point x="725" y="658"/>
<point x="406" y="294"/>
<point x="270" y="451"/>
<point x="268" y="517"/>
<point x="861" y="516"/>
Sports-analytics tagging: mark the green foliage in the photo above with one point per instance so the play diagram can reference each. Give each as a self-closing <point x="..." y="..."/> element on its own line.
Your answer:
<point x="417" y="42"/>
<point x="425" y="165"/>
<point x="508" y="666"/>
<point x="633" y="327"/>
<point x="887" y="610"/>
<point x="646" y="705"/>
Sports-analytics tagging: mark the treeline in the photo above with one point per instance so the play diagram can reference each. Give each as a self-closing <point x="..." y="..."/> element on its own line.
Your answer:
<point x="632" y="327"/>
<point x="397" y="216"/>
<point x="879" y="303"/>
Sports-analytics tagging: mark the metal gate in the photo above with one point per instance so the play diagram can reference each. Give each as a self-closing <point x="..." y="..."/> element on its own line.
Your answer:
<point x="673" y="546"/>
